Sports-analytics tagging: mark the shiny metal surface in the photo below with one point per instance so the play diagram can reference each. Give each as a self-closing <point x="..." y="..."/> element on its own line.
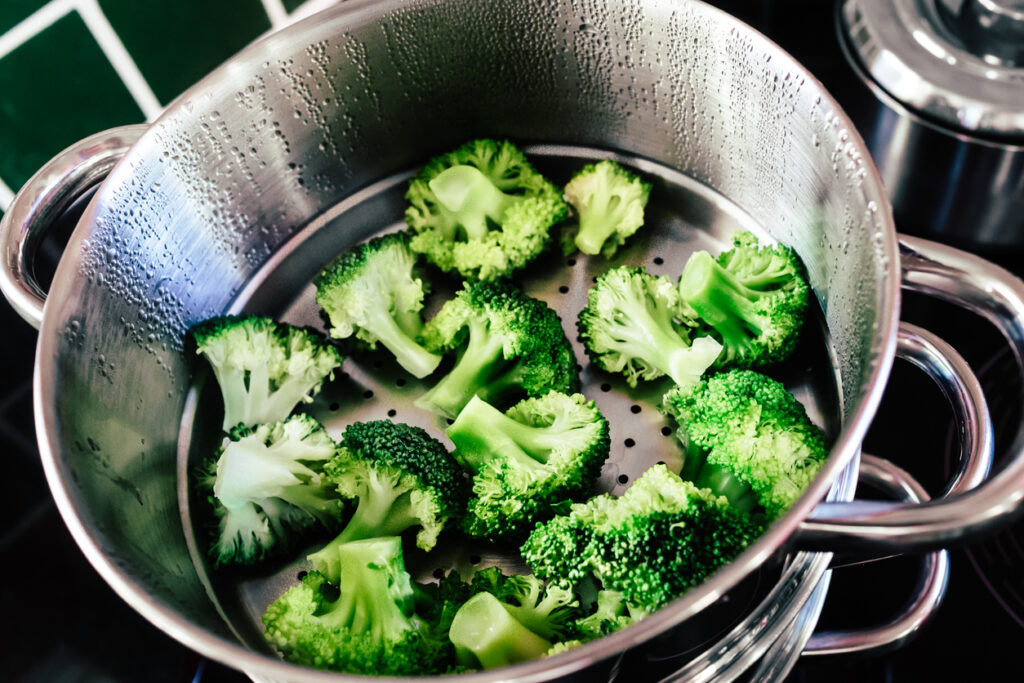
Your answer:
<point x="992" y="30"/>
<point x="308" y="120"/>
<point x="927" y="594"/>
<point x="918" y="55"/>
<point x="997" y="295"/>
<point x="977" y="200"/>
<point x="41" y="200"/>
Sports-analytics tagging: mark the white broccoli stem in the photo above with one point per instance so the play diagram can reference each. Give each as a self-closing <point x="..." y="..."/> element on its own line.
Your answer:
<point x="685" y="366"/>
<point x="471" y="196"/>
<point x="413" y="358"/>
<point x="244" y="391"/>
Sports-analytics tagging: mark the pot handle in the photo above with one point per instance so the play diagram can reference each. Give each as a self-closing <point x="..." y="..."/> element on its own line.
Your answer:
<point x="962" y="515"/>
<point x="927" y="595"/>
<point x="42" y="200"/>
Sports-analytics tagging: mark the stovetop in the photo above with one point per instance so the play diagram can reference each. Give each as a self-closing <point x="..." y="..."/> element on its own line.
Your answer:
<point x="63" y="623"/>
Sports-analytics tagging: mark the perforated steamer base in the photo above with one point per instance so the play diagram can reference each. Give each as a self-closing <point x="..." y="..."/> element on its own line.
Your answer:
<point x="682" y="216"/>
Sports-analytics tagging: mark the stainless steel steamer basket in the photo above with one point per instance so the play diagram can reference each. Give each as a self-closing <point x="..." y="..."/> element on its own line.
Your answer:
<point x="307" y="119"/>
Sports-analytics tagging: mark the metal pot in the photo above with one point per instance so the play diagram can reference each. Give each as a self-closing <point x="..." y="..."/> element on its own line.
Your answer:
<point x="942" y="87"/>
<point x="291" y="151"/>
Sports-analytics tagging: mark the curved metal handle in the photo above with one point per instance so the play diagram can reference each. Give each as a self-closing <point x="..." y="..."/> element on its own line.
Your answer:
<point x="42" y="200"/>
<point x="927" y="595"/>
<point x="994" y="293"/>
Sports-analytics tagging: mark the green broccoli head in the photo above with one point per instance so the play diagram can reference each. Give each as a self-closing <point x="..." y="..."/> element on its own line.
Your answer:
<point x="529" y="463"/>
<point x="609" y="201"/>
<point x="747" y="438"/>
<point x="754" y="298"/>
<point x="371" y="293"/>
<point x="401" y="477"/>
<point x="634" y="323"/>
<point x="510" y="345"/>
<point x="267" y="486"/>
<point x="511" y="619"/>
<point x="482" y="211"/>
<point x="662" y="537"/>
<point x="264" y="368"/>
<point x="610" y="613"/>
<point x="365" y="625"/>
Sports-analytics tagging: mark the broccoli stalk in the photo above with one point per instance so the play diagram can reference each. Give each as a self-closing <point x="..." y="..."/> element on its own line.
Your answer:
<point x="528" y="463"/>
<point x="482" y="211"/>
<point x="267" y="486"/>
<point x="747" y="438"/>
<point x="634" y="323"/>
<point x="610" y="203"/>
<point x="401" y="478"/>
<point x="754" y="299"/>
<point x="511" y="345"/>
<point x="368" y="628"/>
<point x="264" y="368"/>
<point x="471" y="198"/>
<point x="662" y="537"/>
<point x="486" y="636"/>
<point x="510" y="619"/>
<point x="370" y="292"/>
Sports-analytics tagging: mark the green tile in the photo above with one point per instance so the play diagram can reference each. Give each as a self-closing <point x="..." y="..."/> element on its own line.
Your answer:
<point x="56" y="89"/>
<point x="177" y="42"/>
<point x="13" y="11"/>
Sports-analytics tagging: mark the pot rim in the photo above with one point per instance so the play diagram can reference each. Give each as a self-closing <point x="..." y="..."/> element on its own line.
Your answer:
<point x="232" y="652"/>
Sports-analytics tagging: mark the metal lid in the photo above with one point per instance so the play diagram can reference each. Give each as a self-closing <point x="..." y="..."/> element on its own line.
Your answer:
<point x="959" y="61"/>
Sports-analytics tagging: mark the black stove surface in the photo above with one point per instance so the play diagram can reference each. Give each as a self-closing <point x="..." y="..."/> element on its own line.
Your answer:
<point x="64" y="624"/>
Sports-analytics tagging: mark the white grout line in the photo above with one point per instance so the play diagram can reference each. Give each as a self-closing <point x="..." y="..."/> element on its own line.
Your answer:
<point x="311" y="7"/>
<point x="276" y="12"/>
<point x="119" y="58"/>
<point x="38" y="21"/>
<point x="6" y="196"/>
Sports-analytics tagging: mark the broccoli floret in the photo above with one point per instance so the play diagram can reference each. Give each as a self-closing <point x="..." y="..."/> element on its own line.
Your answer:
<point x="264" y="367"/>
<point x="510" y="619"/>
<point x="611" y="613"/>
<point x="438" y="602"/>
<point x="267" y="486"/>
<point x="370" y="292"/>
<point x="662" y="537"/>
<point x="747" y="438"/>
<point x="511" y="345"/>
<point x="754" y="299"/>
<point x="546" y="609"/>
<point x="401" y="477"/>
<point x="482" y="211"/>
<point x="529" y="463"/>
<point x="365" y="625"/>
<point x="609" y="201"/>
<point x="486" y="636"/>
<point x="634" y="323"/>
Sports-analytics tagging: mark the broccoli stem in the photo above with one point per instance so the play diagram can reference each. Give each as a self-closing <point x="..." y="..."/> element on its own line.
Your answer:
<point x="482" y="433"/>
<point x="647" y="333"/>
<point x="720" y="480"/>
<point x="597" y="223"/>
<point x="384" y="510"/>
<point x="376" y="595"/>
<point x="244" y="393"/>
<point x="485" y="634"/>
<point x="411" y="356"/>
<point x="480" y="363"/>
<point x="720" y="299"/>
<point x="471" y="196"/>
